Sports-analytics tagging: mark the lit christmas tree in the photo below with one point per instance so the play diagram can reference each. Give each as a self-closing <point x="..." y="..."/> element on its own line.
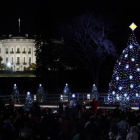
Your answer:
<point x="28" y="102"/>
<point x="94" y="92"/>
<point x="66" y="90"/>
<point x="40" y="94"/>
<point x="15" y="94"/>
<point x="125" y="84"/>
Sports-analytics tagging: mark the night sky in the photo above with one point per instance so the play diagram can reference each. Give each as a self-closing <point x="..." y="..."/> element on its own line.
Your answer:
<point x="37" y="15"/>
<point x="45" y="16"/>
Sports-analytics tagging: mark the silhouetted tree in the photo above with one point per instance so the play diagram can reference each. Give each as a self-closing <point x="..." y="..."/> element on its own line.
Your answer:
<point x="89" y="41"/>
<point x="45" y="49"/>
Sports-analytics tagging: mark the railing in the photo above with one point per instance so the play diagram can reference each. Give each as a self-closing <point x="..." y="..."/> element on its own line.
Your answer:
<point x="17" y="63"/>
<point x="29" y="52"/>
<point x="24" y="52"/>
<point x="18" y="52"/>
<point x="11" y="52"/>
<point x="56" y="98"/>
<point x="6" y="52"/>
<point x="24" y="63"/>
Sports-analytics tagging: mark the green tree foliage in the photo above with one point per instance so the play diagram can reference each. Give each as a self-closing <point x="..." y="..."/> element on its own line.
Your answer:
<point x="45" y="50"/>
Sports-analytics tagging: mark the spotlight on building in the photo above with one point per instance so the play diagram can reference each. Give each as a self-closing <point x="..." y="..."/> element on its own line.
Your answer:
<point x="8" y="64"/>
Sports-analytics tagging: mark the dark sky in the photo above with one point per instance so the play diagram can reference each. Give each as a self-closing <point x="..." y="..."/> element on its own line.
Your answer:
<point x="44" y="15"/>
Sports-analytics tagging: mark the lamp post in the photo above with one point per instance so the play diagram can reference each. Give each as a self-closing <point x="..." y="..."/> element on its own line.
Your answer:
<point x="57" y="74"/>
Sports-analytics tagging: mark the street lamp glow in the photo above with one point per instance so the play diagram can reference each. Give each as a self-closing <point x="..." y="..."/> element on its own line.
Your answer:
<point x="40" y="85"/>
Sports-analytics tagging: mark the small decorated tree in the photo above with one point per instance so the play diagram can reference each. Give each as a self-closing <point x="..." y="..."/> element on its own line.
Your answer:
<point x="28" y="102"/>
<point x="40" y="94"/>
<point x="94" y="92"/>
<point x="15" y="94"/>
<point x="66" y="90"/>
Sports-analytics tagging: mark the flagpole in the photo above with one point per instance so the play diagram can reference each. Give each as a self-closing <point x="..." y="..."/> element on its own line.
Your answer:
<point x="19" y="24"/>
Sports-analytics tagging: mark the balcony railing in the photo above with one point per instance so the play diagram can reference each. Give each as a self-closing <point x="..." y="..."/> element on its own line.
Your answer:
<point x="29" y="52"/>
<point x="24" y="63"/>
<point x="11" y="52"/>
<point x="23" y="52"/>
<point x="6" y="52"/>
<point x="12" y="63"/>
<point x="18" y="52"/>
<point x="18" y="63"/>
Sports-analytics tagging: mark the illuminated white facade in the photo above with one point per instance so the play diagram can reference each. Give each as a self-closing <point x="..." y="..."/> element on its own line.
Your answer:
<point x="19" y="51"/>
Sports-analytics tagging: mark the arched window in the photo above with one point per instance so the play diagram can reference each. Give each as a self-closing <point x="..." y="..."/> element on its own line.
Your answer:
<point x="18" y="50"/>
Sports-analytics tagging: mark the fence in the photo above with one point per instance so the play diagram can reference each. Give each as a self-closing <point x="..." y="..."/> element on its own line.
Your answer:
<point x="55" y="98"/>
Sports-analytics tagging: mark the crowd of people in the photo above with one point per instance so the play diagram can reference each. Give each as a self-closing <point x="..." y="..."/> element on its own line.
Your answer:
<point x="69" y="123"/>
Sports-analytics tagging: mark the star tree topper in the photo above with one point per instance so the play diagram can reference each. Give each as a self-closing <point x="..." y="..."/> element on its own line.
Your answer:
<point x="133" y="26"/>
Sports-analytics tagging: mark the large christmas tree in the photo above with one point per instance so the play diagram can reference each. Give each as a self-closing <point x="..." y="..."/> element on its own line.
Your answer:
<point x="15" y="94"/>
<point x="125" y="84"/>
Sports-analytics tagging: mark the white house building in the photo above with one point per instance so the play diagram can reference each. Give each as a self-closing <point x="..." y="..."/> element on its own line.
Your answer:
<point x="18" y="51"/>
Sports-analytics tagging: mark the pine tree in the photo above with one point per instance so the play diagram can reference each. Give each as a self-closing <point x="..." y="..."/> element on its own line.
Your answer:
<point x="66" y="90"/>
<point x="28" y="102"/>
<point x="15" y="94"/>
<point x="94" y="92"/>
<point x="45" y="56"/>
<point x="125" y="84"/>
<point x="40" y="94"/>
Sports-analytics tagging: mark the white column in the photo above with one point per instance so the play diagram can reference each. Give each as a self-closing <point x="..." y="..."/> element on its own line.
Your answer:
<point x="27" y="56"/>
<point x="21" y="64"/>
<point x="14" y="49"/>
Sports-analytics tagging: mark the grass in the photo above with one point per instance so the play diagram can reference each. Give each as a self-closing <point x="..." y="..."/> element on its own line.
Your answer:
<point x="16" y="74"/>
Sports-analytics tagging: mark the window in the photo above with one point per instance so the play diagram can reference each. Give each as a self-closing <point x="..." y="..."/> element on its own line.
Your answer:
<point x="0" y="50"/>
<point x="29" y="60"/>
<point x="24" y="51"/>
<point x="18" y="50"/>
<point x="6" y="50"/>
<point x="24" y="59"/>
<point x="12" y="60"/>
<point x="6" y="59"/>
<point x="12" y="51"/>
<point x="29" y="51"/>
<point x="18" y="60"/>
